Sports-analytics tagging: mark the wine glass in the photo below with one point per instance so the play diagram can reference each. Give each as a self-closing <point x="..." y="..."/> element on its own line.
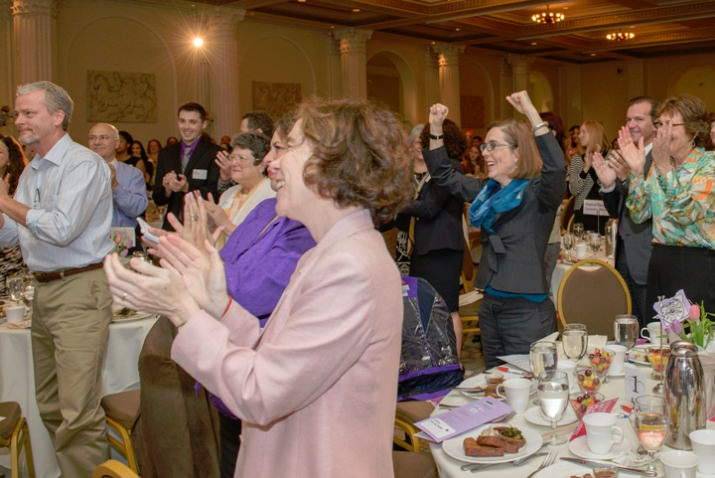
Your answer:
<point x="575" y="341"/>
<point x="15" y="288"/>
<point x="543" y="358"/>
<point x="626" y="330"/>
<point x="568" y="245"/>
<point x="578" y="230"/>
<point x="651" y="424"/>
<point x="553" y="393"/>
<point x="594" y="240"/>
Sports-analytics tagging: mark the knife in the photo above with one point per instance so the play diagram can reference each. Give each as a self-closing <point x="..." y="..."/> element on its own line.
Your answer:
<point x="581" y="461"/>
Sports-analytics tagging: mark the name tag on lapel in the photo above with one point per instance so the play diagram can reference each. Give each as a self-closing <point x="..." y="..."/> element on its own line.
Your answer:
<point x="199" y="174"/>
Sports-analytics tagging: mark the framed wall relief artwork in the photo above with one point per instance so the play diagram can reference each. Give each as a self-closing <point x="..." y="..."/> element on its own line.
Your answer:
<point x="121" y="97"/>
<point x="276" y="99"/>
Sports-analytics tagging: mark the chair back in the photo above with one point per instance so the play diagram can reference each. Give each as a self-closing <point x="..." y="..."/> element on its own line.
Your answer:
<point x="113" y="469"/>
<point x="592" y="292"/>
<point x="567" y="214"/>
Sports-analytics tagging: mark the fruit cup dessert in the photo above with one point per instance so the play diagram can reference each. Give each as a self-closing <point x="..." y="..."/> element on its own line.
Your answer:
<point x="588" y="381"/>
<point x="601" y="362"/>
<point x="581" y="403"/>
<point x="658" y="358"/>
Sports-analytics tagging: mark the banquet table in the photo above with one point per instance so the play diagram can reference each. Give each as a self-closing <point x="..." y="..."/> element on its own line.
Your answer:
<point x="17" y="382"/>
<point x="450" y="468"/>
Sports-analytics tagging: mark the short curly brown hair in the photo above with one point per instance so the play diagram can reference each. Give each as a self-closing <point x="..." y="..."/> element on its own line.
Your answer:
<point x="361" y="156"/>
<point x="454" y="140"/>
<point x="16" y="161"/>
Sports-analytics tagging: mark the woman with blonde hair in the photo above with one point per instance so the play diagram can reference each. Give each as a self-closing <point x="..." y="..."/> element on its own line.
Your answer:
<point x="583" y="182"/>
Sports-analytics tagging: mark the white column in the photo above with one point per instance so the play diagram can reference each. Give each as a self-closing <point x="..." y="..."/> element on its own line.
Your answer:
<point x="520" y="71"/>
<point x="353" y="61"/>
<point x="432" y="95"/>
<point x="449" y="92"/>
<point x="223" y="78"/>
<point x="7" y="82"/>
<point x="34" y="31"/>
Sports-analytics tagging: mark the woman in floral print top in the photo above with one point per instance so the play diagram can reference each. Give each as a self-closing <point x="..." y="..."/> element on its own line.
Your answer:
<point x="679" y="194"/>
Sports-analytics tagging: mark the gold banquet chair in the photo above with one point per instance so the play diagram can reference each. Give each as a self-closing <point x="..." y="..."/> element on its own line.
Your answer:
<point x="592" y="292"/>
<point x="14" y="435"/>
<point x="113" y="469"/>
<point x="122" y="410"/>
<point x="413" y="465"/>
<point x="406" y="415"/>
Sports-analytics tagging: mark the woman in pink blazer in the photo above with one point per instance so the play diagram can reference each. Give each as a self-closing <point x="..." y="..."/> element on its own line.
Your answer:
<point x="316" y="388"/>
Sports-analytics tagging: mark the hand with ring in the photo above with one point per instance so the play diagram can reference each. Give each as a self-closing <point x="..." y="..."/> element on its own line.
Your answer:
<point x="217" y="214"/>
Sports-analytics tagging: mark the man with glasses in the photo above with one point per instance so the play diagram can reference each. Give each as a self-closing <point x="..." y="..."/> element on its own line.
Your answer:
<point x="128" y="188"/>
<point x="633" y="247"/>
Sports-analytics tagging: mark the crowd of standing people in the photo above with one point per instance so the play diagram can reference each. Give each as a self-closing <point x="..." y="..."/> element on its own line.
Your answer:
<point x="281" y="308"/>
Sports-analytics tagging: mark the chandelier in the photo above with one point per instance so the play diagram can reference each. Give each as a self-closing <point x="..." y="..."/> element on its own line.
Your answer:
<point x="547" y="17"/>
<point x="621" y="36"/>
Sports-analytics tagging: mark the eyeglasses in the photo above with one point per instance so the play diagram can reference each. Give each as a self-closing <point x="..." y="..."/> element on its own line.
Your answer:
<point x="238" y="157"/>
<point x="658" y="124"/>
<point x="101" y="137"/>
<point x="490" y="145"/>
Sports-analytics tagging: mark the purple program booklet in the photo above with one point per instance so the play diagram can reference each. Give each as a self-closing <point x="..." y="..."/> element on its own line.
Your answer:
<point x="462" y="419"/>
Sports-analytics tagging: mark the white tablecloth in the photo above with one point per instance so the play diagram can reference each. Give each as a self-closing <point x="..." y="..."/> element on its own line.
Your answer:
<point x="450" y="468"/>
<point x="17" y="381"/>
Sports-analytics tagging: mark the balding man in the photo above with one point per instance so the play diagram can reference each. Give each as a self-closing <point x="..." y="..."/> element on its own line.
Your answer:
<point x="128" y="188"/>
<point x="61" y="215"/>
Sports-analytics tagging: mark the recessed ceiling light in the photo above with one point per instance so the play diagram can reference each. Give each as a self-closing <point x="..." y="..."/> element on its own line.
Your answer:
<point x="356" y="10"/>
<point x="198" y="42"/>
<point x="457" y="29"/>
<point x="301" y="1"/>
<point x="593" y="54"/>
<point x="533" y="43"/>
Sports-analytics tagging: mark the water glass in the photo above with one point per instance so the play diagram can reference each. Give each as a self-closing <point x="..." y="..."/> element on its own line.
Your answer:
<point x="568" y="240"/>
<point x="651" y="424"/>
<point x="625" y="329"/>
<point x="575" y="341"/>
<point x="15" y="287"/>
<point x="543" y="358"/>
<point x="594" y="240"/>
<point x="553" y="393"/>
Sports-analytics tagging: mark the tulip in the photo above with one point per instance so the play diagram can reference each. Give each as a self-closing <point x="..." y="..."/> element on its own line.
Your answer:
<point x="694" y="313"/>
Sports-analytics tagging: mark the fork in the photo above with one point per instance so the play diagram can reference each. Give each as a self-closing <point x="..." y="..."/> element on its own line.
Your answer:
<point x="550" y="458"/>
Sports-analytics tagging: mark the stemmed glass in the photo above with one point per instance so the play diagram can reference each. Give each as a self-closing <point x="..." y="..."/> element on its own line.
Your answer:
<point x="575" y="341"/>
<point x="568" y="245"/>
<point x="594" y="240"/>
<point x="543" y="358"/>
<point x="579" y="231"/>
<point x="15" y="287"/>
<point x="651" y="424"/>
<point x="625" y="329"/>
<point x="553" y="393"/>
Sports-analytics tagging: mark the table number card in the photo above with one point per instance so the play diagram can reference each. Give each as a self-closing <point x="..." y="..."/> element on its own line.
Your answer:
<point x="634" y="383"/>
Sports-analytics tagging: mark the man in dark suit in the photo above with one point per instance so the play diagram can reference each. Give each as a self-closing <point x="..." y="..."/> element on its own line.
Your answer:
<point x="187" y="165"/>
<point x="633" y="247"/>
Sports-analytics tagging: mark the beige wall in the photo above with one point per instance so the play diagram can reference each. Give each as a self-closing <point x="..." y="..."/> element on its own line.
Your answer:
<point x="152" y="37"/>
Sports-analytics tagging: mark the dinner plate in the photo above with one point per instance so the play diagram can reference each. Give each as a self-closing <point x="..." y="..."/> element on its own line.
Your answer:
<point x="579" y="447"/>
<point x="131" y="316"/>
<point x="533" y="415"/>
<point x="481" y="381"/>
<point x="566" y="469"/>
<point x="639" y="354"/>
<point x="454" y="447"/>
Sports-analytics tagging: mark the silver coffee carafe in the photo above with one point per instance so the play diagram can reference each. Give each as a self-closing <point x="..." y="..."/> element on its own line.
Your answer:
<point x="684" y="394"/>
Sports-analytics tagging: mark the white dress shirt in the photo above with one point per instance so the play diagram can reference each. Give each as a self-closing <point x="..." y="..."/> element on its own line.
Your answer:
<point x="70" y="199"/>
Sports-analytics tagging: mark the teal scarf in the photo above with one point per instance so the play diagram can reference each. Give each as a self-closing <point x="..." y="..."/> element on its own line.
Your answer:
<point x="493" y="200"/>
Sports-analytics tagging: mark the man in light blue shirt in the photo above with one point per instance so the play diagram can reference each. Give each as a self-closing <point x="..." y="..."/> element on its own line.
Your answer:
<point x="128" y="188"/>
<point x="61" y="214"/>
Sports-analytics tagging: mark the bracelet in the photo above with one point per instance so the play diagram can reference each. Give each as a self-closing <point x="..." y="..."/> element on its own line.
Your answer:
<point x="436" y="136"/>
<point x="539" y="125"/>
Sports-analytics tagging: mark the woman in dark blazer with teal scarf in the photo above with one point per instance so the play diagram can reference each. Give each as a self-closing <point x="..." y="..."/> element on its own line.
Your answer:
<point x="515" y="209"/>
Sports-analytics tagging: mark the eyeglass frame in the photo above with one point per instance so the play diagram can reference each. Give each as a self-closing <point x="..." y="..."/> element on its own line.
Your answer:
<point x="659" y="124"/>
<point x="491" y="145"/>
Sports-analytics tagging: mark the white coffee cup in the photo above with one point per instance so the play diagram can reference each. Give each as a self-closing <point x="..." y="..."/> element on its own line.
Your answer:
<point x="703" y="442"/>
<point x="619" y="358"/>
<point x="679" y="463"/>
<point x="569" y="368"/>
<point x="15" y="313"/>
<point x="516" y="391"/>
<point x="652" y="332"/>
<point x="581" y="250"/>
<point x="602" y="432"/>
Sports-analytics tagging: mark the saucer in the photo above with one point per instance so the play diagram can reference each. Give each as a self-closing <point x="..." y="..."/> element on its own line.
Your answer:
<point x="533" y="415"/>
<point x="579" y="447"/>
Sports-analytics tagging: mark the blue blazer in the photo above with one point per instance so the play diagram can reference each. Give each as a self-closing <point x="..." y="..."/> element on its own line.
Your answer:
<point x="129" y="197"/>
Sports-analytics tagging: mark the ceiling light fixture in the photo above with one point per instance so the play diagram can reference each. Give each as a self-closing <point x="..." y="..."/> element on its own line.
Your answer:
<point x="548" y="17"/>
<point x="621" y="36"/>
